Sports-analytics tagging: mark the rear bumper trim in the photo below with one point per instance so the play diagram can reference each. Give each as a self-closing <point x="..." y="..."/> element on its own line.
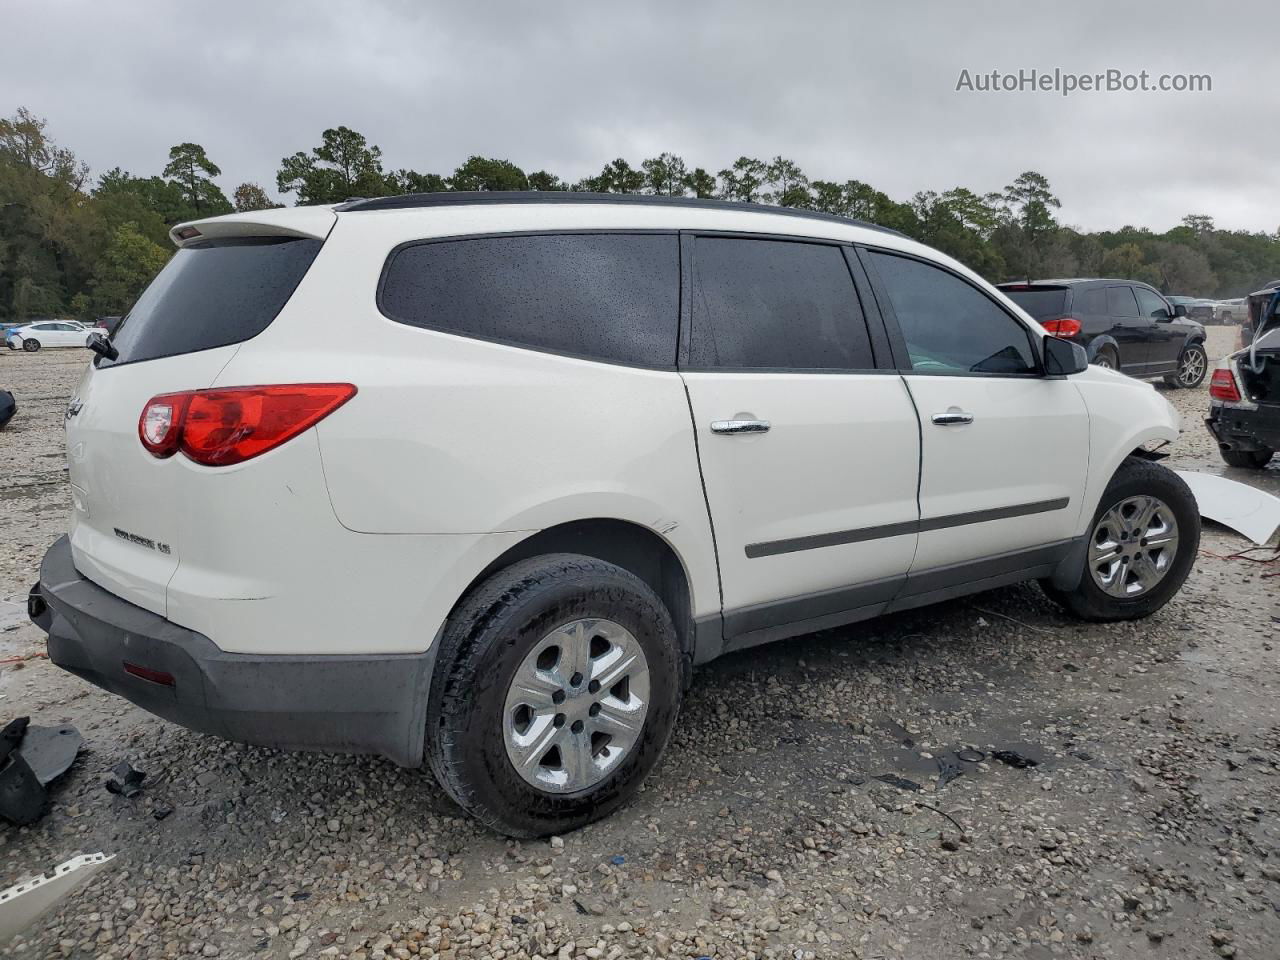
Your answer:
<point x="348" y="704"/>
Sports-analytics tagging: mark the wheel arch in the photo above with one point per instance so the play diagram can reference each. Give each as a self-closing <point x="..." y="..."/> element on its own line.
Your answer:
<point x="629" y="545"/>
<point x="1098" y="343"/>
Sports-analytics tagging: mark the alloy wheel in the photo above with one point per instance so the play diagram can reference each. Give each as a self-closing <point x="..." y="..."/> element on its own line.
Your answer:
<point x="576" y="706"/>
<point x="1133" y="546"/>
<point x="1191" y="368"/>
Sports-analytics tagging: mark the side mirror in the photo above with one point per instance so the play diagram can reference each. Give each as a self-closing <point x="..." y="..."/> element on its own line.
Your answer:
<point x="1179" y="309"/>
<point x="1063" y="358"/>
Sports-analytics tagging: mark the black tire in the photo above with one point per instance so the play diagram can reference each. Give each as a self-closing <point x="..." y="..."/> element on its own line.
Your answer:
<point x="1137" y="477"/>
<point x="30" y="345"/>
<point x="1106" y="357"/>
<point x="484" y="643"/>
<point x="1249" y="459"/>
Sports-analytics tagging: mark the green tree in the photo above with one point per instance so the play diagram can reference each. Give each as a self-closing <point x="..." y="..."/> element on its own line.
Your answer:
<point x="485" y="173"/>
<point x="250" y="196"/>
<point x="618" y="176"/>
<point x="745" y="180"/>
<point x="129" y="262"/>
<point x="788" y="185"/>
<point x="665" y="175"/>
<point x="345" y="165"/>
<point x="544" y="180"/>
<point x="191" y="169"/>
<point x="700" y="183"/>
<point x="1198" y="223"/>
<point x="411" y="181"/>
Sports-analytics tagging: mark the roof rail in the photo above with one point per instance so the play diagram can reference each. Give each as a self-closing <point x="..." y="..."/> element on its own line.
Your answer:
<point x="461" y="197"/>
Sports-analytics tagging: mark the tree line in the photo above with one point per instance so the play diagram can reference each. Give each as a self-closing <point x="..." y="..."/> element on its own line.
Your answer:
<point x="75" y="245"/>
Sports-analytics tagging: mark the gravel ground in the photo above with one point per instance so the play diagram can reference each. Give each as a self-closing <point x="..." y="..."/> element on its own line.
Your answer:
<point x="1148" y="828"/>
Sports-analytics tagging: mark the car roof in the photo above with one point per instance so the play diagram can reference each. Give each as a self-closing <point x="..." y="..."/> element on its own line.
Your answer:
<point x="1076" y="282"/>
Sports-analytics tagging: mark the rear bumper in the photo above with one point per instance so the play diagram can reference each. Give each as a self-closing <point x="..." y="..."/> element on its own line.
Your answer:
<point x="1239" y="429"/>
<point x="349" y="704"/>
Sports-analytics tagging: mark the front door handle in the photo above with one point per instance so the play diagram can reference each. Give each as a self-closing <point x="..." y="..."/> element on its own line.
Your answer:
<point x="952" y="417"/>
<point x="739" y="426"/>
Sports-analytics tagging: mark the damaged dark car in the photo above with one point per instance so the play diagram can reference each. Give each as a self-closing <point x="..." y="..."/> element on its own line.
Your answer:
<point x="1244" y="410"/>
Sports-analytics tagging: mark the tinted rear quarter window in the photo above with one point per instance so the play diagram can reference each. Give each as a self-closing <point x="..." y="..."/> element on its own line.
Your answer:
<point x="613" y="297"/>
<point x="775" y="304"/>
<point x="1090" y="302"/>
<point x="1042" y="303"/>
<point x="213" y="294"/>
<point x="950" y="326"/>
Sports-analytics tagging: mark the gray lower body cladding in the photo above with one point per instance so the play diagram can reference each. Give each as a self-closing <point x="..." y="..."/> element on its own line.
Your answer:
<point x="349" y="704"/>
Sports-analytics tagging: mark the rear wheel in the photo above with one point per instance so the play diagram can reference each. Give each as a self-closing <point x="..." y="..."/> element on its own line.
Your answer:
<point x="1251" y="459"/>
<point x="1142" y="545"/>
<point x="1106" y="359"/>
<point x="556" y="688"/>
<point x="30" y="345"/>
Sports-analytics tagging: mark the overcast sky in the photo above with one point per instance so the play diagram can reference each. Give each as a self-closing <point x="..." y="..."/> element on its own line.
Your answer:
<point x="862" y="90"/>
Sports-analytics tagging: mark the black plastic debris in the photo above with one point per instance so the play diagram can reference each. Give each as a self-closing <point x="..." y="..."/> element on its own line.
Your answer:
<point x="902" y="783"/>
<point x="971" y="756"/>
<point x="125" y="780"/>
<point x="948" y="768"/>
<point x="1014" y="759"/>
<point x="30" y="759"/>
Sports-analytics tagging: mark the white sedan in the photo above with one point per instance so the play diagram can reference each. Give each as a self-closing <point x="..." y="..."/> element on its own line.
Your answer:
<point x="48" y="333"/>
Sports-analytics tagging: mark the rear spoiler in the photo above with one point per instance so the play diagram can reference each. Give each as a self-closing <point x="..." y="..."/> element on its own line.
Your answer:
<point x="313" y="222"/>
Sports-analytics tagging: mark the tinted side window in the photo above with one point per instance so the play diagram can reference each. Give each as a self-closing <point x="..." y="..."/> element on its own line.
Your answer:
<point x="775" y="304"/>
<point x="607" y="296"/>
<point x="949" y="325"/>
<point x="1151" y="305"/>
<point x="1091" y="302"/>
<point x="1120" y="302"/>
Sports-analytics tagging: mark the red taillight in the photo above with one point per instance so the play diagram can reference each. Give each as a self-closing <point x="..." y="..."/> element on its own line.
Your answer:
<point x="233" y="424"/>
<point x="1062" y="327"/>
<point x="1223" y="386"/>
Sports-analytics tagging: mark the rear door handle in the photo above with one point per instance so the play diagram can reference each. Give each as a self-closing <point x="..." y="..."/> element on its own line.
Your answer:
<point x="739" y="426"/>
<point x="952" y="417"/>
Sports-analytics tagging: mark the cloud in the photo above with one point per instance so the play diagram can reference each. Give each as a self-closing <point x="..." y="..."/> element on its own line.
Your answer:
<point x="848" y="90"/>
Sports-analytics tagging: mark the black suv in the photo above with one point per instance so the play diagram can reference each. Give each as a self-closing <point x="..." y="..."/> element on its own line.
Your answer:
<point x="1122" y="324"/>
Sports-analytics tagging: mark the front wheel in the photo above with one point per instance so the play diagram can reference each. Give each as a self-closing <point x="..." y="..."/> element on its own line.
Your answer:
<point x="1249" y="459"/>
<point x="29" y="345"/>
<point x="1141" y="545"/>
<point x="1192" y="367"/>
<point x="556" y="688"/>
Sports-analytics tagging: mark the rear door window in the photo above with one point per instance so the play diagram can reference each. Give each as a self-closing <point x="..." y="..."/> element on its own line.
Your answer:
<point x="1090" y="302"/>
<point x="1120" y="302"/>
<point x="949" y="325"/>
<point x="775" y="304"/>
<point x="212" y="294"/>
<point x="611" y="297"/>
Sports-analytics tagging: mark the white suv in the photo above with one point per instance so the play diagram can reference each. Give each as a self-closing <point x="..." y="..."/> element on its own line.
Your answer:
<point x="475" y="479"/>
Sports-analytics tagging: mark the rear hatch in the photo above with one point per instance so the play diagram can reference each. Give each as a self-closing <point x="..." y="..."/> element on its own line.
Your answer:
<point x="225" y="285"/>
